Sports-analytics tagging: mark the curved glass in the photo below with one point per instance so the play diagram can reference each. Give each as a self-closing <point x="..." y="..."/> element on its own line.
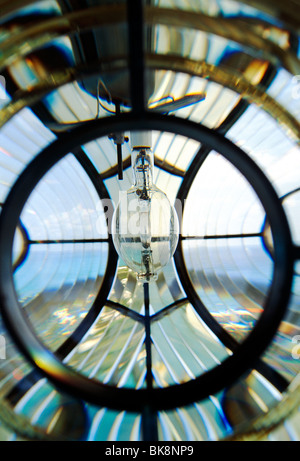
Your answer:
<point x="66" y="255"/>
<point x="226" y="65"/>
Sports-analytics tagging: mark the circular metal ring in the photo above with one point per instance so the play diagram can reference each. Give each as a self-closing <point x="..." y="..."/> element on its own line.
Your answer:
<point x="177" y="395"/>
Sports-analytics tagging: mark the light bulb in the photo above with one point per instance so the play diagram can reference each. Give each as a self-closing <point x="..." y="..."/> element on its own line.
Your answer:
<point x="145" y="224"/>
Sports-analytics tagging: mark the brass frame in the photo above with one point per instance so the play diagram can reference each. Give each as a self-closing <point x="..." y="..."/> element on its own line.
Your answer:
<point x="241" y="31"/>
<point x="226" y="77"/>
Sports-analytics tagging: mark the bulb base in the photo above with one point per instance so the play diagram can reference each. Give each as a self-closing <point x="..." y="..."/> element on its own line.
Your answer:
<point x="147" y="277"/>
<point x="141" y="140"/>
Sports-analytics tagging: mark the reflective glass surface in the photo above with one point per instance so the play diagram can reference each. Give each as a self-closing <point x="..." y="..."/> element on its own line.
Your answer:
<point x="229" y="67"/>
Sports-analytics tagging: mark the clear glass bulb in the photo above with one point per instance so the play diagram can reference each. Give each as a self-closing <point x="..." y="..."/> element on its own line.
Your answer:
<point x="145" y="225"/>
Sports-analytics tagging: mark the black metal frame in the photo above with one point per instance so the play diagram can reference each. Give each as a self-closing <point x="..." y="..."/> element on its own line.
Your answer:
<point x="244" y="356"/>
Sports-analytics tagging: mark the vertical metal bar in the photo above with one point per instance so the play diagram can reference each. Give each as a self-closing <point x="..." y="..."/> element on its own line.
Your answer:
<point x="119" y="150"/>
<point x="135" y="21"/>
<point x="149" y="424"/>
<point x="137" y="93"/>
<point x="149" y="377"/>
<point x="120" y="162"/>
<point x="149" y="416"/>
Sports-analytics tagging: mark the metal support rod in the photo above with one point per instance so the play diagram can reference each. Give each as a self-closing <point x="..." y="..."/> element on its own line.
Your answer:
<point x="120" y="162"/>
<point x="119" y="149"/>
<point x="149" y="416"/>
<point x="135" y="21"/>
<point x="149" y="377"/>
<point x="149" y="425"/>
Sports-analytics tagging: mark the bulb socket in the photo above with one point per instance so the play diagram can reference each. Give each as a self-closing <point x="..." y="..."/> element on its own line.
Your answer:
<point x="141" y="140"/>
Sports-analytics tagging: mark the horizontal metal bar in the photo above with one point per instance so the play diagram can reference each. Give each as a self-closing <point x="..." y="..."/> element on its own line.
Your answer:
<point x="219" y="236"/>
<point x="48" y="242"/>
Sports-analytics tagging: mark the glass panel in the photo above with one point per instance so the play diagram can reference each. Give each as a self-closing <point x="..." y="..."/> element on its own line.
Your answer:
<point x="223" y="202"/>
<point x="110" y="425"/>
<point x="283" y="354"/>
<point x="231" y="277"/>
<point x="172" y="88"/>
<point x="183" y="347"/>
<point x="126" y="290"/>
<point x="57" y="285"/>
<point x="258" y="134"/>
<point x="248" y="399"/>
<point x="113" y="351"/>
<point x="285" y="88"/>
<point x="20" y="140"/>
<point x="291" y="204"/>
<point x="64" y="206"/>
<point x="177" y="151"/>
<point x="103" y="154"/>
<point x="54" y="412"/>
<point x="198" y="422"/>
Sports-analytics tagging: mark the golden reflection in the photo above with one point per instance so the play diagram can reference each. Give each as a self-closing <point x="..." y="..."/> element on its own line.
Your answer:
<point x="287" y="11"/>
<point x="259" y="38"/>
<point x="256" y="35"/>
<point x="24" y="40"/>
<point x="223" y="76"/>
